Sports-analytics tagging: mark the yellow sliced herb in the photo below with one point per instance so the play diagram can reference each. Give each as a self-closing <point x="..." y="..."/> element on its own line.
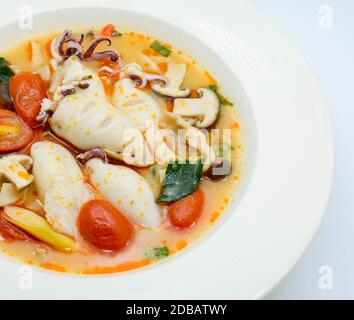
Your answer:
<point x="38" y="227"/>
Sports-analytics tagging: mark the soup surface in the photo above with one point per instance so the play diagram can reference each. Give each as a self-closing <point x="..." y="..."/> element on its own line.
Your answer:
<point x="77" y="193"/>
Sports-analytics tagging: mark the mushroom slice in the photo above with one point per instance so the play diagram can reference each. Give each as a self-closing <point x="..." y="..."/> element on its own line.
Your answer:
<point x="57" y="80"/>
<point x="204" y="109"/>
<point x="198" y="141"/>
<point x="155" y="140"/>
<point x="44" y="72"/>
<point x="136" y="151"/>
<point x="36" y="56"/>
<point x="8" y="194"/>
<point x="127" y="190"/>
<point x="175" y="74"/>
<point x="192" y="143"/>
<point x="14" y="168"/>
<point x="149" y="64"/>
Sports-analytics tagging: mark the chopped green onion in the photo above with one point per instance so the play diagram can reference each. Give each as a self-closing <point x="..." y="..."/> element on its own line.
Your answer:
<point x="161" y="252"/>
<point x="157" y="253"/>
<point x="116" y="33"/>
<point x="158" y="47"/>
<point x="222" y="99"/>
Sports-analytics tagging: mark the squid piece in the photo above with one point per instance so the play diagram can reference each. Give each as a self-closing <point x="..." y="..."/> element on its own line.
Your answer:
<point x="75" y="77"/>
<point x="137" y="105"/>
<point x="90" y="123"/>
<point x="127" y="190"/>
<point x="66" y="46"/>
<point x="85" y="118"/>
<point x="60" y="185"/>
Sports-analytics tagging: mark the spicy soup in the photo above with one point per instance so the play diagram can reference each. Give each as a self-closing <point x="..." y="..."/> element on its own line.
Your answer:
<point x="72" y="198"/>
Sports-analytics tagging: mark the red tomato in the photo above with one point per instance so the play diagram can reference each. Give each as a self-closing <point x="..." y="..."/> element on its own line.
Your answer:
<point x="27" y="91"/>
<point x="186" y="212"/>
<point x="102" y="225"/>
<point x="108" y="30"/>
<point x="14" y="133"/>
<point x="11" y="232"/>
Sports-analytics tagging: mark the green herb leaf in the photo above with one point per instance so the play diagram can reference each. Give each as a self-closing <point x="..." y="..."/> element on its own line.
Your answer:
<point x="157" y="253"/>
<point x="181" y="180"/>
<point x="5" y="74"/>
<point x="221" y="98"/>
<point x="5" y="71"/>
<point x="116" y="33"/>
<point x="161" y="252"/>
<point x="158" y="47"/>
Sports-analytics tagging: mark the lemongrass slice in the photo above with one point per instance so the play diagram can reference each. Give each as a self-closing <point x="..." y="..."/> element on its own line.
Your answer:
<point x="38" y="227"/>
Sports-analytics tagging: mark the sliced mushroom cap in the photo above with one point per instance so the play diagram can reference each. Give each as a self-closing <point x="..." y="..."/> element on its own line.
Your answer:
<point x="204" y="110"/>
<point x="36" y="56"/>
<point x="8" y="194"/>
<point x="197" y="140"/>
<point x="135" y="72"/>
<point x="175" y="74"/>
<point x="44" y="72"/>
<point x="219" y="169"/>
<point x="135" y="152"/>
<point x="13" y="168"/>
<point x="157" y="145"/>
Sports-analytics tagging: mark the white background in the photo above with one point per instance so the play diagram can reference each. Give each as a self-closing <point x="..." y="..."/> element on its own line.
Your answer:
<point x="330" y="55"/>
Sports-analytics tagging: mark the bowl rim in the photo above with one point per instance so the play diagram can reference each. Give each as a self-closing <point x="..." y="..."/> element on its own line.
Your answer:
<point x="330" y="165"/>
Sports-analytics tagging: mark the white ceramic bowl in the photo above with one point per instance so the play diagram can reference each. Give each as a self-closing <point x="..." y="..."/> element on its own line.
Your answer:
<point x="287" y="166"/>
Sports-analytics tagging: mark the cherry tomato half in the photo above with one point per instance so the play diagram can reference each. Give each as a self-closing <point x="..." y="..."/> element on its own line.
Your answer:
<point x="14" y="132"/>
<point x="102" y="225"/>
<point x="27" y="91"/>
<point x="186" y="212"/>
